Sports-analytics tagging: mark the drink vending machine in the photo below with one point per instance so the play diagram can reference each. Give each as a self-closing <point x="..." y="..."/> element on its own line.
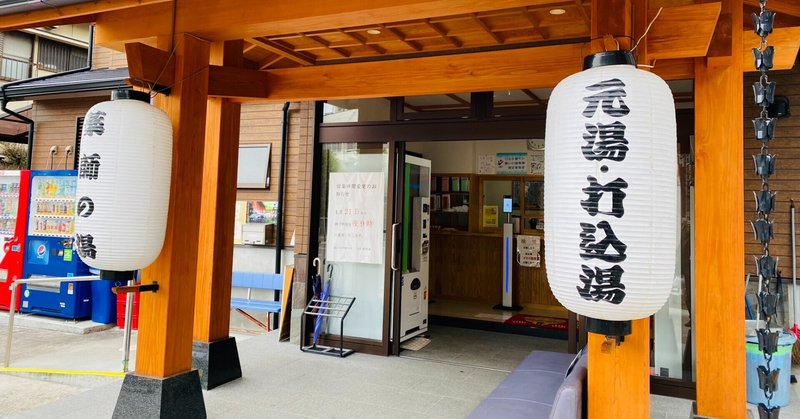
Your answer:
<point x="50" y="248"/>
<point x="14" y="188"/>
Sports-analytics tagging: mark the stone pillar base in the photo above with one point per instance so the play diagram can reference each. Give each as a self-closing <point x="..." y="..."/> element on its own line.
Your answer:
<point x="179" y="396"/>
<point x="217" y="362"/>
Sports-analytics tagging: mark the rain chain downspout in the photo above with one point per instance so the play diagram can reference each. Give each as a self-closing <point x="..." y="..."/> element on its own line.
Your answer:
<point x="764" y="92"/>
<point x="281" y="185"/>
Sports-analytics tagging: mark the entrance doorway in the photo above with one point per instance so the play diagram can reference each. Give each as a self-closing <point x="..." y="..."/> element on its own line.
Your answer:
<point x="483" y="151"/>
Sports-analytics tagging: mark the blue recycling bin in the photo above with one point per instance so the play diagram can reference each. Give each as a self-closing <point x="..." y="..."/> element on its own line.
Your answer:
<point x="104" y="302"/>
<point x="781" y="359"/>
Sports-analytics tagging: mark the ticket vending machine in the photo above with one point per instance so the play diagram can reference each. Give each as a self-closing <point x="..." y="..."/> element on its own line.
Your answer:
<point x="416" y="246"/>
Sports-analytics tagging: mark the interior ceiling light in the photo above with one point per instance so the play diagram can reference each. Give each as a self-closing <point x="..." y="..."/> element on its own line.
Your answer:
<point x="557" y="12"/>
<point x="374" y="31"/>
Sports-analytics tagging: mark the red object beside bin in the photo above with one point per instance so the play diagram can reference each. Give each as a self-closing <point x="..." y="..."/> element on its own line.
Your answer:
<point x="121" y="299"/>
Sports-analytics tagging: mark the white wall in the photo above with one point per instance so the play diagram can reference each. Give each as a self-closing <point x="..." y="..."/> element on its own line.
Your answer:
<point x="462" y="156"/>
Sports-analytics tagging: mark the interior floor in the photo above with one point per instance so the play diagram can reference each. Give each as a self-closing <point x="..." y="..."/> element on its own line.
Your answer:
<point x="481" y="349"/>
<point x="542" y="322"/>
<point x="485" y="312"/>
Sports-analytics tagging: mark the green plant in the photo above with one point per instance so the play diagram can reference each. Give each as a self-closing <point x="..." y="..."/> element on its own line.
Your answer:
<point x="14" y="156"/>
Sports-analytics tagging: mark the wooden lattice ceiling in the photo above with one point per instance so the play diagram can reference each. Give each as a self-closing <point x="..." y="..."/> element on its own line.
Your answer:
<point x="496" y="28"/>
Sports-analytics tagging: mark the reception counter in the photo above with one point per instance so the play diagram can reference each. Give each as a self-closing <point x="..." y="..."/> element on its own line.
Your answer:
<point x="468" y="266"/>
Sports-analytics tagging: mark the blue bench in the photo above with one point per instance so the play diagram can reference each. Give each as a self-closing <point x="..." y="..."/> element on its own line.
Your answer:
<point x="541" y="387"/>
<point x="261" y="281"/>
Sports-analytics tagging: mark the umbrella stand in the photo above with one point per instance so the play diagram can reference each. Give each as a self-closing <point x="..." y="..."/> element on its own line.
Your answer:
<point x="332" y="307"/>
<point x="794" y="329"/>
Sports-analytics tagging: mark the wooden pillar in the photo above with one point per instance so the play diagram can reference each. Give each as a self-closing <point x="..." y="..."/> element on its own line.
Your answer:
<point x="719" y="221"/>
<point x="164" y="382"/>
<point x="165" y="332"/>
<point x="618" y="375"/>
<point x="214" y="352"/>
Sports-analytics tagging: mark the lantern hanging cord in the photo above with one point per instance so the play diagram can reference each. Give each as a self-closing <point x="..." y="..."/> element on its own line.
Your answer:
<point x="164" y="89"/>
<point x="650" y="25"/>
<point x="161" y="73"/>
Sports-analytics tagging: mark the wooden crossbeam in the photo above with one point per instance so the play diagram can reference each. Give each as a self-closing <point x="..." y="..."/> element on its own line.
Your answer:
<point x="284" y="51"/>
<point x="452" y="40"/>
<point x="458" y="99"/>
<point x="324" y="44"/>
<point x="787" y="7"/>
<point x="234" y="82"/>
<point x="401" y="37"/>
<point x="480" y="71"/>
<point x="224" y="20"/>
<point x="586" y="19"/>
<point x="358" y="38"/>
<point x="148" y="66"/>
<point x="486" y="28"/>
<point x="249" y="48"/>
<point x="269" y="61"/>
<point x="70" y="14"/>
<point x="533" y="21"/>
<point x="533" y="97"/>
<point x="682" y="31"/>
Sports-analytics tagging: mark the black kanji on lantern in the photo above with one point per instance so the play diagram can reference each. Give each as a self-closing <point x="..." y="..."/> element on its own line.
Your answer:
<point x="85" y="206"/>
<point x="602" y="284"/>
<point x="89" y="167"/>
<point x="609" y="97"/>
<point x="94" y="124"/>
<point x="605" y="142"/>
<point x="591" y="248"/>
<point x="86" y="247"/>
<point x="596" y="191"/>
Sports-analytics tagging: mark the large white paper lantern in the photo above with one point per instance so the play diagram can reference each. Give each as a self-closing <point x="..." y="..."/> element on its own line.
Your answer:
<point x="610" y="190"/>
<point x="123" y="186"/>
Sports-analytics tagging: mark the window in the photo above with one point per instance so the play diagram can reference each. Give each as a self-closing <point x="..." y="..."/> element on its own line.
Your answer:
<point x="16" y="59"/>
<point x="78" y="133"/>
<point x="253" y="172"/>
<point x="57" y="57"/>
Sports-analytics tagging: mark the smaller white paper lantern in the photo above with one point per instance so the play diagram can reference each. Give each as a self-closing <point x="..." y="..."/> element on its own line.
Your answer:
<point x="610" y="190"/>
<point x="122" y="195"/>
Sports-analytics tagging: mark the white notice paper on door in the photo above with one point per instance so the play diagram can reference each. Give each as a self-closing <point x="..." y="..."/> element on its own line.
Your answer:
<point x="356" y="207"/>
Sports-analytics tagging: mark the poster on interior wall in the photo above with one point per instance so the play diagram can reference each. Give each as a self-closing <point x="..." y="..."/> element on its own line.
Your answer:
<point x="536" y="145"/>
<point x="490" y="215"/>
<point x="262" y="212"/>
<point x="239" y="220"/>
<point x="355" y="217"/>
<point x="486" y="164"/>
<point x="512" y="164"/>
<point x="536" y="163"/>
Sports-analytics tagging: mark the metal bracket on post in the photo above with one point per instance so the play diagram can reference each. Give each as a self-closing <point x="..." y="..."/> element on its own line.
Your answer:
<point x="136" y="288"/>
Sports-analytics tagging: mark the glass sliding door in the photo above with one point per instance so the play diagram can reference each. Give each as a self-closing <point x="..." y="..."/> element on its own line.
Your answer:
<point x="352" y="234"/>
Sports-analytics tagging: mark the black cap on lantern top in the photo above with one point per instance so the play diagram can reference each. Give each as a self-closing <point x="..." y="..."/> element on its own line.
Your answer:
<point x="121" y="276"/>
<point x="605" y="58"/>
<point x="130" y="94"/>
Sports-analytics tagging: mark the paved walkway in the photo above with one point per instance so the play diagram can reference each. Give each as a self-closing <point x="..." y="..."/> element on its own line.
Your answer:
<point x="282" y="382"/>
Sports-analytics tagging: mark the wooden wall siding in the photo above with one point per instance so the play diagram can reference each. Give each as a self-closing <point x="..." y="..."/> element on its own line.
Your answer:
<point x="261" y="124"/>
<point x="787" y="174"/>
<point x="108" y="58"/>
<point x="55" y="126"/>
<point x="468" y="267"/>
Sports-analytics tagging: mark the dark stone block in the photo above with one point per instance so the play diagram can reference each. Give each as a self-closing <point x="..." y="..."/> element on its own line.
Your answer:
<point x="179" y="396"/>
<point x="217" y="362"/>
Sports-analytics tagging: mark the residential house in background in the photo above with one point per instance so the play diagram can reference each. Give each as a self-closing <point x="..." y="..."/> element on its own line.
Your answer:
<point x="32" y="53"/>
